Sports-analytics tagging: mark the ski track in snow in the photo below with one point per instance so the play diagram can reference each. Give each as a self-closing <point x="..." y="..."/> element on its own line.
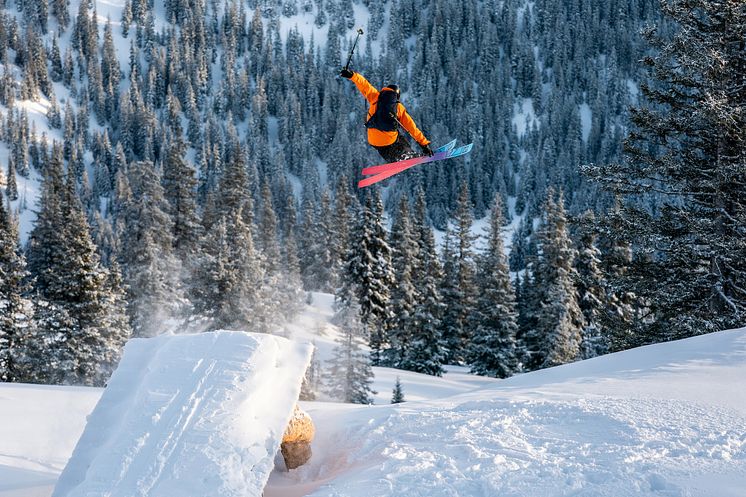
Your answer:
<point x="600" y="447"/>
<point x="666" y="420"/>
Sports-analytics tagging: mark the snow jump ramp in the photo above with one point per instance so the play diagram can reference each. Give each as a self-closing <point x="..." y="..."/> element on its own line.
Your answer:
<point x="189" y="416"/>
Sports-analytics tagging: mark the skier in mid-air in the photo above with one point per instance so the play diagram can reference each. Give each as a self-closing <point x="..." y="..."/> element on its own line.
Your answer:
<point x="384" y="116"/>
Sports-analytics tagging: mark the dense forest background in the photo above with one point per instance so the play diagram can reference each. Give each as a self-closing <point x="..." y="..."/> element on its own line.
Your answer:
<point x="195" y="163"/>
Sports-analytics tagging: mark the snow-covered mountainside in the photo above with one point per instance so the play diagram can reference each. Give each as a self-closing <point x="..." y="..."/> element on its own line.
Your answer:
<point x="529" y="120"/>
<point x="663" y="420"/>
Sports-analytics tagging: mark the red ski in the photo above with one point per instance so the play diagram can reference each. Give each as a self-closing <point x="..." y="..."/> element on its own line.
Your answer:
<point x="385" y="171"/>
<point x="384" y="167"/>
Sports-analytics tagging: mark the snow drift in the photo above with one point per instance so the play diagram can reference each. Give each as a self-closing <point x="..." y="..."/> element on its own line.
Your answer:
<point x="663" y="420"/>
<point x="189" y="415"/>
<point x="667" y="420"/>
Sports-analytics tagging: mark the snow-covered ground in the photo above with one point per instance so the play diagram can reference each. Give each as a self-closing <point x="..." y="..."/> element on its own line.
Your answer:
<point x="664" y="420"/>
<point x="39" y="427"/>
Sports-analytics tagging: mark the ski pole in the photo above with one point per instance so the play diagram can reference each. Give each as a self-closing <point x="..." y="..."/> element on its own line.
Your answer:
<point x="359" y="32"/>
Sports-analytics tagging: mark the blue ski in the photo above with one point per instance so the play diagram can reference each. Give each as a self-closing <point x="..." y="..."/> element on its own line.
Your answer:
<point x="387" y="170"/>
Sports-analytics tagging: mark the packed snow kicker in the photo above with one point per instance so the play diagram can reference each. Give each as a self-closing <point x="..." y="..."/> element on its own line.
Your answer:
<point x="199" y="415"/>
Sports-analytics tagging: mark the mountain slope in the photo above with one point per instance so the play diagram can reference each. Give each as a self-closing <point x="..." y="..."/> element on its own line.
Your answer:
<point x="668" y="419"/>
<point x="662" y="420"/>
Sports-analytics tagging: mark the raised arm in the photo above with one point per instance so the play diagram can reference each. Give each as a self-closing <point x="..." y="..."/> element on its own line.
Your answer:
<point x="368" y="90"/>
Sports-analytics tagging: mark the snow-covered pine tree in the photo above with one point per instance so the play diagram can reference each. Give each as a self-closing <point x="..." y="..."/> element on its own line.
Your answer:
<point x="345" y="207"/>
<point x="20" y="156"/>
<point x="350" y="375"/>
<point x="229" y="278"/>
<point x="227" y="284"/>
<point x="557" y="331"/>
<point x="172" y="115"/>
<point x="591" y="288"/>
<point x="623" y="310"/>
<point x="290" y="246"/>
<point x="404" y="294"/>
<point x="448" y="289"/>
<point x="116" y="320"/>
<point x="376" y="19"/>
<point x="687" y="150"/>
<point x="426" y="351"/>
<point x="60" y="10"/>
<point x="342" y="215"/>
<point x="521" y="352"/>
<point x="320" y="19"/>
<point x="127" y="17"/>
<point x="210" y="279"/>
<point x="346" y="12"/>
<point x="369" y="269"/>
<point x="99" y="296"/>
<point x="281" y="291"/>
<point x="234" y="189"/>
<point x="460" y="291"/>
<point x="267" y="239"/>
<point x="111" y="73"/>
<point x="45" y="358"/>
<point x="320" y="234"/>
<point x="397" y="396"/>
<point x="492" y="350"/>
<point x="54" y="118"/>
<point x="151" y="270"/>
<point x="11" y="188"/>
<point x="179" y="189"/>
<point x="76" y="335"/>
<point x="311" y="249"/>
<point x="519" y="248"/>
<point x="16" y="310"/>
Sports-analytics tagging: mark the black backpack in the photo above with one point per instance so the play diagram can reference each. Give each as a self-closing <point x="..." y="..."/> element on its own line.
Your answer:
<point x="384" y="119"/>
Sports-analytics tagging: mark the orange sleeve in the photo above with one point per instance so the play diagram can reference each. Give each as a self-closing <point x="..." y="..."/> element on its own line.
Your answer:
<point x="368" y="90"/>
<point x="406" y="120"/>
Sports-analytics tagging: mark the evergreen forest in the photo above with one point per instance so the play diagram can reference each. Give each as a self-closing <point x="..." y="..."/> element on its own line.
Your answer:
<point x="192" y="165"/>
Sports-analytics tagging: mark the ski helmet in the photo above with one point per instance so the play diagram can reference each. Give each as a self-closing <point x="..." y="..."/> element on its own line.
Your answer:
<point x="395" y="88"/>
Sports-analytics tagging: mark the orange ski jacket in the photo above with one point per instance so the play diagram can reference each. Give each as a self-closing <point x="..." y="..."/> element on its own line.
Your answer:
<point x="379" y="138"/>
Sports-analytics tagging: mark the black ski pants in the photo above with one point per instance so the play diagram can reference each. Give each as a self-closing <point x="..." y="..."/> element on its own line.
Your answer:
<point x="399" y="150"/>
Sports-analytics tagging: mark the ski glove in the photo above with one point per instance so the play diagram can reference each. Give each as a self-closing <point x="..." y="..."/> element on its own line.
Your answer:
<point x="346" y="73"/>
<point x="427" y="150"/>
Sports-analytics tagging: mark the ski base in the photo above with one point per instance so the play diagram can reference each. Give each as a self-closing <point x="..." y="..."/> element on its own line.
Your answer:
<point x="385" y="171"/>
<point x="383" y="167"/>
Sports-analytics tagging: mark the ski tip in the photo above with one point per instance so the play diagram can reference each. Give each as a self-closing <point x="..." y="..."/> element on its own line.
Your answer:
<point x="447" y="147"/>
<point x="458" y="152"/>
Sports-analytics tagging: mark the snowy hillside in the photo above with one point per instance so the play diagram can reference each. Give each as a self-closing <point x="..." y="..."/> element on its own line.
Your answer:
<point x="666" y="419"/>
<point x="663" y="420"/>
<point x="110" y="12"/>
